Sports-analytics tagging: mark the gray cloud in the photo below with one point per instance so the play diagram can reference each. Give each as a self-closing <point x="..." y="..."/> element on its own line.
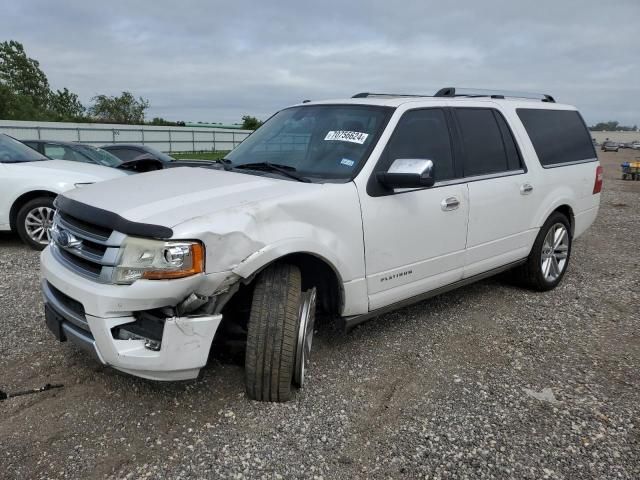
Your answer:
<point x="215" y="61"/>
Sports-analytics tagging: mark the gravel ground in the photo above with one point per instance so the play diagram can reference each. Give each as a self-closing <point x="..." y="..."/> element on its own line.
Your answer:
<point x="490" y="381"/>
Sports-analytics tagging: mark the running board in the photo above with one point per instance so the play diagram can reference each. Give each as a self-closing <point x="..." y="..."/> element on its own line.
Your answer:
<point x="348" y="323"/>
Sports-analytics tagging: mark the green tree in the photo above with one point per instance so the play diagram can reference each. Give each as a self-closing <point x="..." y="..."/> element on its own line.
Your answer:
<point x="22" y="75"/>
<point x="119" y="109"/>
<point x="162" y="122"/>
<point x="612" y="126"/>
<point x="65" y="106"/>
<point x="25" y="92"/>
<point x="250" y="123"/>
<point x="24" y="88"/>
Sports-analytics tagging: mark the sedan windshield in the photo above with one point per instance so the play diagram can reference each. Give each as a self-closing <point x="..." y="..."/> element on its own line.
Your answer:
<point x="99" y="156"/>
<point x="320" y="142"/>
<point x="13" y="151"/>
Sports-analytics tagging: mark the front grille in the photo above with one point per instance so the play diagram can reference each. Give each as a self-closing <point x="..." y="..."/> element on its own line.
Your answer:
<point x="73" y="223"/>
<point x="89" y="250"/>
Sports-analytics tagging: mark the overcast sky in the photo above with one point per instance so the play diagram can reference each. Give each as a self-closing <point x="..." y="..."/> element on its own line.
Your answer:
<point x="215" y="61"/>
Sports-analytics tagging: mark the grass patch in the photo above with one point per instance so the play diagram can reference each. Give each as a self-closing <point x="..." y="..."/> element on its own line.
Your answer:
<point x="217" y="155"/>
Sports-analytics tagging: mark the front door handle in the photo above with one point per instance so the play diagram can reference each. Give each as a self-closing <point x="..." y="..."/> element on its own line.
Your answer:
<point x="450" y="203"/>
<point x="526" y="189"/>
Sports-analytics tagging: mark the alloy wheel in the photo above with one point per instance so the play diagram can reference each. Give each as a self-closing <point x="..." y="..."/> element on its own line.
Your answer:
<point x="37" y="224"/>
<point x="555" y="251"/>
<point x="305" y="335"/>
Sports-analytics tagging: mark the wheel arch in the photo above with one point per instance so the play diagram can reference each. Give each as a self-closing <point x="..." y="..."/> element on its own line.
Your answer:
<point x="317" y="271"/>
<point x="24" y="198"/>
<point x="567" y="211"/>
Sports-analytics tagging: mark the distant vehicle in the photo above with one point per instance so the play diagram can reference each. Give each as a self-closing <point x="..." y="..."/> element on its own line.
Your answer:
<point x="635" y="145"/>
<point x="30" y="181"/>
<point x="132" y="151"/>
<point x="610" y="147"/>
<point x="83" y="152"/>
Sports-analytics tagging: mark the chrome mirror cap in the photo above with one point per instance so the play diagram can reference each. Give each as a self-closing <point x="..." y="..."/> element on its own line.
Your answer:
<point x="408" y="173"/>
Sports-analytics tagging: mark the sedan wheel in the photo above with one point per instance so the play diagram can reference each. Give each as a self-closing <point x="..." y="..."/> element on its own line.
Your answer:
<point x="34" y="220"/>
<point x="38" y="223"/>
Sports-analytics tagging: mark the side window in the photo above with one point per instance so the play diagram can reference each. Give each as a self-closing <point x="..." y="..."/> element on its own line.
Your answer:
<point x="558" y="136"/>
<point x="125" y="154"/>
<point x="422" y="134"/>
<point x="485" y="150"/>
<point x="514" y="161"/>
<point x="56" y="152"/>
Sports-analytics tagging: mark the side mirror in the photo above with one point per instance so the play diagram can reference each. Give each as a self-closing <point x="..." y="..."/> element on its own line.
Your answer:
<point x="408" y="173"/>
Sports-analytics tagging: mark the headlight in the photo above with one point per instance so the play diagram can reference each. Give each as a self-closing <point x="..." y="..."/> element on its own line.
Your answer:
<point x="156" y="260"/>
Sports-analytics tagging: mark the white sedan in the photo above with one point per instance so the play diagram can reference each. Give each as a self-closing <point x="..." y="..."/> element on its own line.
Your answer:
<point x="29" y="182"/>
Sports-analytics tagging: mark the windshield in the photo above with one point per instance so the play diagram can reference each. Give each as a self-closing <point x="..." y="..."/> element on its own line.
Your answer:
<point x="99" y="156"/>
<point x="322" y="142"/>
<point x="13" y="151"/>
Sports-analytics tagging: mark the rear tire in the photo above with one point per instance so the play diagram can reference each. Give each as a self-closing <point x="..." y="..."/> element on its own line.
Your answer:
<point x="272" y="336"/>
<point x="549" y="258"/>
<point x="34" y="220"/>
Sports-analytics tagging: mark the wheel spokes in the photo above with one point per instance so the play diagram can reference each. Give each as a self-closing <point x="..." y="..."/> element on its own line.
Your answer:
<point x="555" y="251"/>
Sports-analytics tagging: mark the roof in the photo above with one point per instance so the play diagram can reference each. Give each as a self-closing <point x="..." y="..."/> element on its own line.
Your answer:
<point x="398" y="101"/>
<point x="448" y="96"/>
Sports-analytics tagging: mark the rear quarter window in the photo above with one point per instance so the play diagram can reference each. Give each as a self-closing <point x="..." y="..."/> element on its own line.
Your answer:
<point x="558" y="136"/>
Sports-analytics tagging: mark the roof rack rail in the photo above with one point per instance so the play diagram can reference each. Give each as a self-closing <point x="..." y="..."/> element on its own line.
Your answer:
<point x="391" y="95"/>
<point x="498" y="94"/>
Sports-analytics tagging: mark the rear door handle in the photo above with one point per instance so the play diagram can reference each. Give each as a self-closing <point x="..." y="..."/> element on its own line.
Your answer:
<point x="526" y="189"/>
<point x="450" y="203"/>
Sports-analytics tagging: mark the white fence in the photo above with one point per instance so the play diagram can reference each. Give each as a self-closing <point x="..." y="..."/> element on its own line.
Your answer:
<point x="166" y="139"/>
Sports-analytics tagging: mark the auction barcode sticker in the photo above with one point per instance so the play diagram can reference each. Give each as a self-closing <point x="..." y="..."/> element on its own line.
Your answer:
<point x="346" y="136"/>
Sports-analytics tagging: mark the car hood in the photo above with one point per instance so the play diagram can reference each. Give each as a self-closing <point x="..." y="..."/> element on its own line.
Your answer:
<point x="75" y="169"/>
<point x="173" y="196"/>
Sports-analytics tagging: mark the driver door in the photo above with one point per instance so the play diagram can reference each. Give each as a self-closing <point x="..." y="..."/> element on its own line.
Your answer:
<point x="415" y="239"/>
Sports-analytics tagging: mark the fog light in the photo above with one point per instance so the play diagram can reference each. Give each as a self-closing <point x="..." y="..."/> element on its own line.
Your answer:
<point x="152" y="345"/>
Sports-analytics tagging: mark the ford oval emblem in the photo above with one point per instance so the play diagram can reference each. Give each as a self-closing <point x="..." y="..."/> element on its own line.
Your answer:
<point x="65" y="239"/>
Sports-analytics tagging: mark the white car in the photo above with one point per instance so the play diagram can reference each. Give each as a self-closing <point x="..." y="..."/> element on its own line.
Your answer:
<point x="30" y="181"/>
<point x="354" y="206"/>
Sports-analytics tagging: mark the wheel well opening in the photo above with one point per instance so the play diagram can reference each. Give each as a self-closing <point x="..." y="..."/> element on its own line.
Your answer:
<point x="230" y="339"/>
<point x="21" y="200"/>
<point x="567" y="212"/>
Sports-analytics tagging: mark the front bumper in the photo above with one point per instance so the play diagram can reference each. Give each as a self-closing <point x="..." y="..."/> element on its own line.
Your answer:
<point x="86" y="313"/>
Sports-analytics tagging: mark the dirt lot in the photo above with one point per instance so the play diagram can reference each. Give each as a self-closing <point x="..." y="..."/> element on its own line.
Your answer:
<point x="487" y="382"/>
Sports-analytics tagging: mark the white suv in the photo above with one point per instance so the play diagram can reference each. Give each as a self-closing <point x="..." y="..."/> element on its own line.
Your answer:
<point x="353" y="206"/>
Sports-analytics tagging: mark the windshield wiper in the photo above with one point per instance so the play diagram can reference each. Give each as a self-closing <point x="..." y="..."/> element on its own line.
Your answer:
<point x="23" y="161"/>
<point x="286" y="170"/>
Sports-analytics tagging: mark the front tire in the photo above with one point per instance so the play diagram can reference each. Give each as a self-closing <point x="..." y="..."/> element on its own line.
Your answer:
<point x="272" y="336"/>
<point x="549" y="258"/>
<point x="34" y="220"/>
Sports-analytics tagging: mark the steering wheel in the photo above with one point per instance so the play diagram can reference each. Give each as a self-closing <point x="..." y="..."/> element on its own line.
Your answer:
<point x="5" y="156"/>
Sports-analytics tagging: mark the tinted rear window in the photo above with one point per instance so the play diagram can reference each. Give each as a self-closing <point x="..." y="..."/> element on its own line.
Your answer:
<point x="488" y="144"/>
<point x="558" y="136"/>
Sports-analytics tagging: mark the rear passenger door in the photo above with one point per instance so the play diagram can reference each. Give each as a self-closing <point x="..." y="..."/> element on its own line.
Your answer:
<point x="502" y="194"/>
